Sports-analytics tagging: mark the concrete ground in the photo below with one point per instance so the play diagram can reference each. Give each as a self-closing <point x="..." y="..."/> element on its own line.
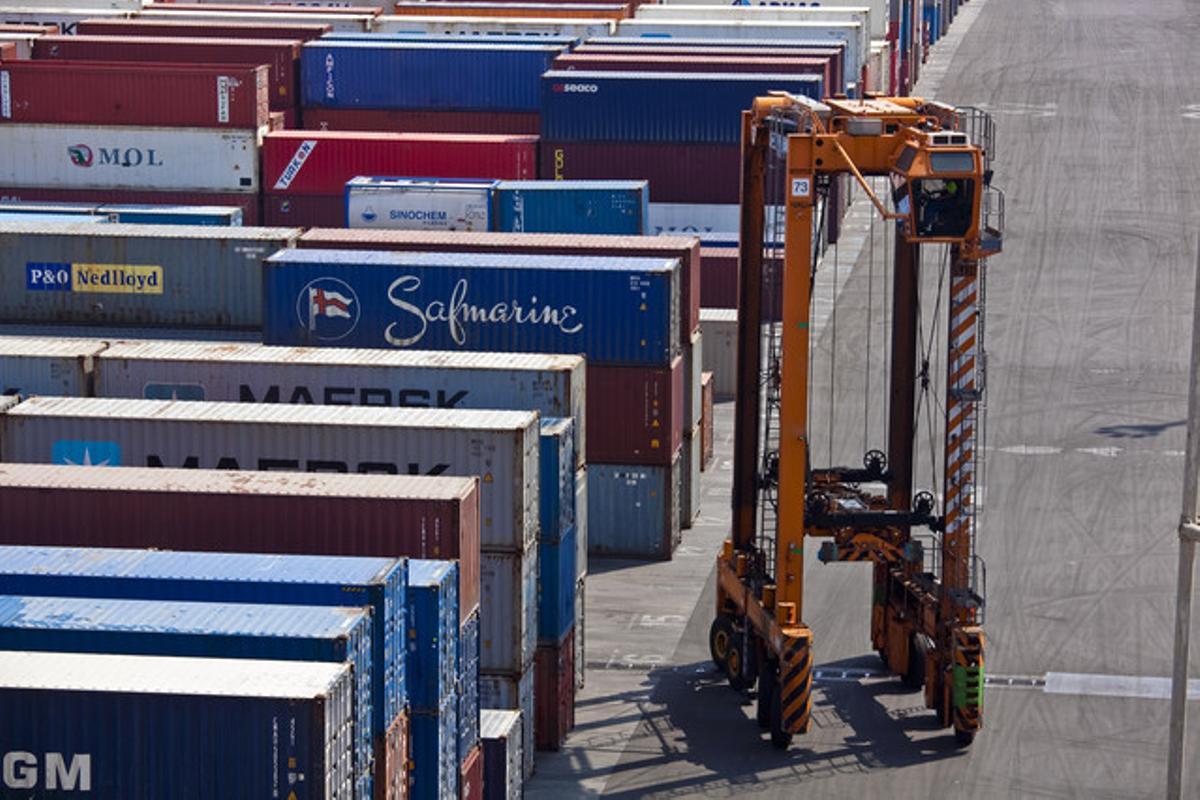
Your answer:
<point x="1089" y="321"/>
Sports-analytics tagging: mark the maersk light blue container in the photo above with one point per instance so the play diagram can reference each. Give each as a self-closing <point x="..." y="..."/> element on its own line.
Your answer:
<point x="423" y="75"/>
<point x="432" y="633"/>
<point x="468" y="686"/>
<point x="556" y="481"/>
<point x="613" y="310"/>
<point x="218" y="216"/>
<point x="434" y="747"/>
<point x="697" y="108"/>
<point x="214" y="630"/>
<point x="614" y="207"/>
<point x="234" y="578"/>
<point x="556" y="602"/>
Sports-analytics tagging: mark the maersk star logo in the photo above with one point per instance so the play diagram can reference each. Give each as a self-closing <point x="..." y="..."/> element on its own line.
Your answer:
<point x="86" y="454"/>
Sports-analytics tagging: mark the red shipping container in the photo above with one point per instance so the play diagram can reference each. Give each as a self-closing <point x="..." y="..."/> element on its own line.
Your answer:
<point x="685" y="248"/>
<point x="470" y="777"/>
<point x="246" y="512"/>
<point x="279" y="54"/>
<point x="554" y="693"/>
<point x="402" y="121"/>
<point x="320" y="162"/>
<point x="391" y="761"/>
<point x="706" y="420"/>
<point x="204" y="30"/>
<point x="168" y="95"/>
<point x="719" y="277"/>
<point x="248" y="203"/>
<point x="634" y="414"/>
<point x="678" y="173"/>
<point x="300" y="211"/>
<point x="636" y="62"/>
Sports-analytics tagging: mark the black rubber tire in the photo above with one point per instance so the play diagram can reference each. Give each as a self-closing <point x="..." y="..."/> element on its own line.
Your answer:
<point x="963" y="738"/>
<point x="768" y="683"/>
<point x="735" y="666"/>
<point x="780" y="738"/>
<point x="914" y="677"/>
<point x="720" y="636"/>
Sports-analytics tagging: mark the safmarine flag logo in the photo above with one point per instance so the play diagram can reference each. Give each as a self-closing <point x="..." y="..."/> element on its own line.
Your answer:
<point x="81" y="155"/>
<point x="328" y="309"/>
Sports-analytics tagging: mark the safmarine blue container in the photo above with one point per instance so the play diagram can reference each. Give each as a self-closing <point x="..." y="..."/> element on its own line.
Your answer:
<point x="556" y="602"/>
<point x="432" y="633"/>
<point x="556" y="489"/>
<point x="613" y="310"/>
<point x="614" y="207"/>
<point x="216" y="630"/>
<point x="434" y="748"/>
<point x="423" y="75"/>
<point x="468" y="686"/>
<point x="694" y="108"/>
<point x="379" y="583"/>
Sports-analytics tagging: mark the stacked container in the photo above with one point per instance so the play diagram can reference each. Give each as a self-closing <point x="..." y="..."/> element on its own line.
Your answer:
<point x="590" y="207"/>
<point x="503" y="777"/>
<point x="419" y="204"/>
<point x="433" y="613"/>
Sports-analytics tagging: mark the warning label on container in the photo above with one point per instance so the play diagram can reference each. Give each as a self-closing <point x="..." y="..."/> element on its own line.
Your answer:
<point x="223" y="100"/>
<point x="94" y="278"/>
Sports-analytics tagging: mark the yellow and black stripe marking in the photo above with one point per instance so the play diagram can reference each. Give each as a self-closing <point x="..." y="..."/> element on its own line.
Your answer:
<point x="796" y="674"/>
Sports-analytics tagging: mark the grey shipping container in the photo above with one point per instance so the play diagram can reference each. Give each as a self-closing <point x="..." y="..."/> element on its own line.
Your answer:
<point x="719" y="328"/>
<point x="693" y="365"/>
<point x="634" y="510"/>
<point x="502" y="758"/>
<point x="62" y="367"/>
<point x="508" y="611"/>
<point x="580" y="632"/>
<point x="689" y="499"/>
<point x="513" y="692"/>
<point x="157" y="275"/>
<point x="552" y="385"/>
<point x="581" y="522"/>
<point x="78" y="712"/>
<point x="501" y="447"/>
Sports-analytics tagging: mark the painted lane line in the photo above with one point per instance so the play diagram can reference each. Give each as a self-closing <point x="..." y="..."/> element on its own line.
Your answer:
<point x="1134" y="686"/>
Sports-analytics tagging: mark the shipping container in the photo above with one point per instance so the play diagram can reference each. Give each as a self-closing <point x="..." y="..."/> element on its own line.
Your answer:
<point x="586" y="106"/>
<point x="63" y="18"/>
<point x="684" y="248"/>
<point x="586" y="10"/>
<point x="502" y="758"/>
<point x="499" y="446"/>
<point x="56" y="366"/>
<point x="600" y="207"/>
<point x="345" y="20"/>
<point x="677" y="172"/>
<point x="419" y="204"/>
<point x="55" y="219"/>
<point x="636" y="413"/>
<point x="513" y="693"/>
<point x="230" y="511"/>
<point x="113" y="332"/>
<point x="581" y="522"/>
<point x="556" y="465"/>
<point x="216" y="216"/>
<point x="157" y="275"/>
<point x="508" y="611"/>
<point x="460" y="75"/>
<point x="378" y="583"/>
<point x="693" y="360"/>
<point x="392" y="760"/>
<point x="245" y="203"/>
<point x="280" y="55"/>
<point x="719" y="277"/>
<point x="580" y="632"/>
<point x="123" y="157"/>
<point x="719" y="328"/>
<point x="165" y="26"/>
<point x="391" y="120"/>
<point x="470" y="779"/>
<point x="554" y="716"/>
<point x="210" y="630"/>
<point x="495" y="26"/>
<point x="878" y="9"/>
<point x="634" y="510"/>
<point x="158" y="95"/>
<point x="820" y="67"/>
<point x="304" y="210"/>
<point x="434" y="739"/>
<point x="181" y="709"/>
<point x="706" y="421"/>
<point x="552" y="385"/>
<point x="690" y="488"/>
<point x="614" y="310"/>
<point x="556" y="607"/>
<point x="467" y="686"/>
<point x="432" y="634"/>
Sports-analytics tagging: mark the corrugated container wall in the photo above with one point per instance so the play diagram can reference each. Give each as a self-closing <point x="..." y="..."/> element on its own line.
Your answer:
<point x="63" y="367"/>
<point x="467" y="669"/>
<point x="555" y="695"/>
<point x="599" y="207"/>
<point x="470" y="786"/>
<point x="502" y="758"/>
<point x="199" y="29"/>
<point x="435" y="754"/>
<point x="432" y="634"/>
<point x="513" y="693"/>
<point x="419" y="204"/>
<point x="678" y="173"/>
<point x="556" y="609"/>
<point x="634" y="510"/>
<point x="636" y="413"/>
<point x="246" y="204"/>
<point x="557" y="481"/>
<point x="508" y="613"/>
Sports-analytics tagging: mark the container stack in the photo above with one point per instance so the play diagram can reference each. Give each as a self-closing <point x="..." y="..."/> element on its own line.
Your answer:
<point x="433" y="687"/>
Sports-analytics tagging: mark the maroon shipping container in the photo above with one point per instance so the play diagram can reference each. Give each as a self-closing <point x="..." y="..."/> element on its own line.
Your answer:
<point x="706" y="420"/>
<point x="685" y="248"/>
<point x="300" y="211"/>
<point x="279" y="54"/>
<point x="634" y="414"/>
<point x="403" y="121"/>
<point x="554" y="693"/>
<point x="248" y="203"/>
<point x="719" y="277"/>
<point x="636" y="62"/>
<point x="8" y="53"/>
<point x="470" y="778"/>
<point x="246" y="512"/>
<point x="320" y="162"/>
<point x="168" y="95"/>
<point x="391" y="761"/>
<point x="204" y="30"/>
<point x="678" y="173"/>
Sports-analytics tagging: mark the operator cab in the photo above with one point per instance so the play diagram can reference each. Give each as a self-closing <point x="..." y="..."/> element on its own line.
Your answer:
<point x="936" y="185"/>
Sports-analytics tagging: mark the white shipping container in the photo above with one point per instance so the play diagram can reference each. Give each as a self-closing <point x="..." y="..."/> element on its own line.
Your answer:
<point x="413" y="204"/>
<point x="501" y="447"/>
<point x="581" y="524"/>
<point x="690" y="491"/>
<point x="475" y="26"/>
<point x="878" y="8"/>
<point x="386" y="5"/>
<point x="513" y="692"/>
<point x="719" y="328"/>
<point x="508" y="603"/>
<point x="553" y="385"/>
<point x="710" y="222"/>
<point x="502" y="740"/>
<point x="693" y="365"/>
<point x="342" y="23"/>
<point x="66" y="15"/>
<point x="134" y="158"/>
<point x="62" y="367"/>
<point x="580" y="633"/>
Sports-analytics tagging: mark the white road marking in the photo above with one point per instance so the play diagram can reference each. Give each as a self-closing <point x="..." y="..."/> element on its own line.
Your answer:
<point x="1030" y="450"/>
<point x="1135" y="686"/>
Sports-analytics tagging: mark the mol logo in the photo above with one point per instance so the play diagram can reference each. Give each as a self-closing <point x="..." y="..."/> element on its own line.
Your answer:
<point x="80" y="155"/>
<point x="328" y="309"/>
<point x="578" y="88"/>
<point x="19" y="770"/>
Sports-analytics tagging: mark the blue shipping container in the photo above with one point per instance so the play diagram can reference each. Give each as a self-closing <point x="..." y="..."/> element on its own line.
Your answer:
<point x="614" y="207"/>
<point x="458" y="76"/>
<point x="556" y="601"/>
<point x="211" y="630"/>
<point x="234" y="578"/>
<point x="556" y="489"/>
<point x="434" y="747"/>
<point x="113" y="726"/>
<point x="215" y="216"/>
<point x="634" y="510"/>
<point x="696" y="108"/>
<point x="468" y="686"/>
<point x="432" y="633"/>
<point x="612" y="310"/>
<point x="524" y="39"/>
